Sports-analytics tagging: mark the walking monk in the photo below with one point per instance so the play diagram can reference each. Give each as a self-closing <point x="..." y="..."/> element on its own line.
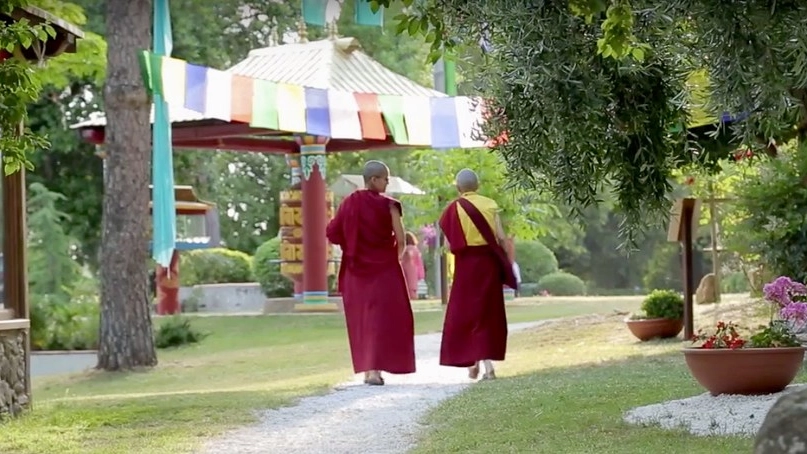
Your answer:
<point x="380" y="326"/>
<point x="475" y="328"/>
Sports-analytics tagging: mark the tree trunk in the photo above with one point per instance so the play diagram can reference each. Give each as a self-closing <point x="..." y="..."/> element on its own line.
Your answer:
<point x="126" y="339"/>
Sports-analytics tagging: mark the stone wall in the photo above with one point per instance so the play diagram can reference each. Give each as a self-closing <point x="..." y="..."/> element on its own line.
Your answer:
<point x="221" y="298"/>
<point x="13" y="396"/>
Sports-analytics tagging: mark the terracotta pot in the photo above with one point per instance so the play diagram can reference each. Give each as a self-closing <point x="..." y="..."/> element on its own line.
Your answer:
<point x="655" y="328"/>
<point x="747" y="371"/>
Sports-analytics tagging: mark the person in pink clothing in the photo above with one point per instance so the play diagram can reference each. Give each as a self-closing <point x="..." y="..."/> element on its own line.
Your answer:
<point x="412" y="265"/>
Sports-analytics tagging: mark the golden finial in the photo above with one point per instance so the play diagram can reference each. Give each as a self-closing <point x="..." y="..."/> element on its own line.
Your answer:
<point x="302" y="31"/>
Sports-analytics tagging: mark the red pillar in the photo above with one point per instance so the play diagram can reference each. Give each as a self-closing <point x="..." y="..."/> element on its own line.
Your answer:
<point x="315" y="251"/>
<point x="168" y="287"/>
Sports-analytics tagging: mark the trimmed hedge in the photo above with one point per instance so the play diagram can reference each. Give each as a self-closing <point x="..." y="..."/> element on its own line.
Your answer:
<point x="214" y="266"/>
<point x="562" y="283"/>
<point x="534" y="260"/>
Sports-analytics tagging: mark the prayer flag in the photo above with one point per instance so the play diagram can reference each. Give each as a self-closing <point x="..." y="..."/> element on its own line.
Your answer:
<point x="469" y="121"/>
<point x="364" y="14"/>
<point x="264" y="104"/>
<point x="392" y="108"/>
<point x="173" y="80"/>
<point x="314" y="11"/>
<point x="417" y="113"/>
<point x="241" y="100"/>
<point x="317" y="116"/>
<point x="162" y="175"/>
<point x="445" y="131"/>
<point x="195" y="87"/>
<point x="372" y="125"/>
<point x="218" y="93"/>
<point x="291" y="115"/>
<point x="344" y="115"/>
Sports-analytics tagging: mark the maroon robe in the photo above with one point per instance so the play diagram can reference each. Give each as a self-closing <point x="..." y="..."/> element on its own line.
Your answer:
<point x="475" y="326"/>
<point x="378" y="314"/>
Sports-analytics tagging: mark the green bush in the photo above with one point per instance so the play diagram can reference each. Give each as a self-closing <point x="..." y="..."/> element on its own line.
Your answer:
<point x="267" y="270"/>
<point x="663" y="304"/>
<point x="771" y="204"/>
<point x="64" y="322"/>
<point x="214" y="266"/>
<point x="561" y="283"/>
<point x="534" y="260"/>
<point x="177" y="331"/>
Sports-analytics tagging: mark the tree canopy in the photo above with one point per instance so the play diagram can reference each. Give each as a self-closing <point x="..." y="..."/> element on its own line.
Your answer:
<point x="596" y="91"/>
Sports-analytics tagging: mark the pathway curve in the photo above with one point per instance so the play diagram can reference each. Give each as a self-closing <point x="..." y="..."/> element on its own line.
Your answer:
<point x="356" y="418"/>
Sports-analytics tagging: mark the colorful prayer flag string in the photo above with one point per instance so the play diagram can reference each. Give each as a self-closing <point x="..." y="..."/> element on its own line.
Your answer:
<point x="437" y="122"/>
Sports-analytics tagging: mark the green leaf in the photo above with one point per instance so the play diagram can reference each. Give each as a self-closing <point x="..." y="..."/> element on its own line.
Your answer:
<point x="638" y="54"/>
<point x="413" y="27"/>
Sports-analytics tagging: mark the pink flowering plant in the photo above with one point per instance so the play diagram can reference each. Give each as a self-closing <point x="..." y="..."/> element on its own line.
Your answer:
<point x="788" y="302"/>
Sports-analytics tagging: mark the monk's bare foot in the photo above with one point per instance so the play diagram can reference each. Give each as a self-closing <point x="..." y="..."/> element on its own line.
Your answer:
<point x="375" y="379"/>
<point x="489" y="376"/>
<point x="473" y="371"/>
<point x="366" y="377"/>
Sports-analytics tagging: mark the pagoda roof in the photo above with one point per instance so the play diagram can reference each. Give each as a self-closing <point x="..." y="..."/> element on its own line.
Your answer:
<point x="330" y="64"/>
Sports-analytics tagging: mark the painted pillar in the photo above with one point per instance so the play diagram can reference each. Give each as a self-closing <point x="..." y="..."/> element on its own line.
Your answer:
<point x="315" y="218"/>
<point x="168" y="287"/>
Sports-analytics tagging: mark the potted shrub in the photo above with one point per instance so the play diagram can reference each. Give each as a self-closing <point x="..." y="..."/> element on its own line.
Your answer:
<point x="766" y="361"/>
<point x="662" y="316"/>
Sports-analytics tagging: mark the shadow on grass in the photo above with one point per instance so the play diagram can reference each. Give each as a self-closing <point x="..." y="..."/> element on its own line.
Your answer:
<point x="575" y="409"/>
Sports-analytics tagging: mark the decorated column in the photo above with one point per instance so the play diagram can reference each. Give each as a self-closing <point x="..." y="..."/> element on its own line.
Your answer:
<point x="315" y="218"/>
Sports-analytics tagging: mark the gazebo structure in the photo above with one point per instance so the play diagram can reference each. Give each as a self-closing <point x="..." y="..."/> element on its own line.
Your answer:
<point x="305" y="100"/>
<point x="15" y="369"/>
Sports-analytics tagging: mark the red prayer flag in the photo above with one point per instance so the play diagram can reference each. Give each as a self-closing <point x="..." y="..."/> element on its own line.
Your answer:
<point x="372" y="124"/>
<point x="241" y="101"/>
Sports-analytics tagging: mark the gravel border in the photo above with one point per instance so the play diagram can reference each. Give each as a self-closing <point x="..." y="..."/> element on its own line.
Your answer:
<point x="707" y="415"/>
<point x="356" y="418"/>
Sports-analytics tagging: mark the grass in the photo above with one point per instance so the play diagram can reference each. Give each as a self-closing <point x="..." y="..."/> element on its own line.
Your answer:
<point x="246" y="364"/>
<point x="565" y="389"/>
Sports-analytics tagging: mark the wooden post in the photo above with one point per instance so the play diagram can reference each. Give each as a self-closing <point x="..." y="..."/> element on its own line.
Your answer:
<point x="687" y="211"/>
<point x="682" y="219"/>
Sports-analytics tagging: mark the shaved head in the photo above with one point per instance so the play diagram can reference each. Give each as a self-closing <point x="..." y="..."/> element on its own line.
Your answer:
<point x="374" y="169"/>
<point x="376" y="176"/>
<point x="467" y="180"/>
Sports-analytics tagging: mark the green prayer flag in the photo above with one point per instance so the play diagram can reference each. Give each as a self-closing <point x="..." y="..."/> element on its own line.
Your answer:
<point x="156" y="73"/>
<point x="145" y="69"/>
<point x="314" y="12"/>
<point x="364" y="15"/>
<point x="264" y="104"/>
<point x="393" y="110"/>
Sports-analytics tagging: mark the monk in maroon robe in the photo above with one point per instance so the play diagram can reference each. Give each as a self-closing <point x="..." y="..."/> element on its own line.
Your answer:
<point x="378" y="314"/>
<point x="475" y="327"/>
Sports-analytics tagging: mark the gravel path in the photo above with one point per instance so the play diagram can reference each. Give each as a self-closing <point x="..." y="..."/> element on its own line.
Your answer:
<point x="356" y="418"/>
<point x="706" y="415"/>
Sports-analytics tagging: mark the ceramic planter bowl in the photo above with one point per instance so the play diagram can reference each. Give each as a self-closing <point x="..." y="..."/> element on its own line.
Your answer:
<point x="661" y="328"/>
<point x="747" y="371"/>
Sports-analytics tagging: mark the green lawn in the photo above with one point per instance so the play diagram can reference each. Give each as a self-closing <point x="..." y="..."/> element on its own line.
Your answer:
<point x="247" y="363"/>
<point x="565" y="389"/>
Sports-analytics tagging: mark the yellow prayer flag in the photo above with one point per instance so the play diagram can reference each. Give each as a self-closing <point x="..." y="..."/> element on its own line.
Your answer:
<point x="291" y="108"/>
<point x="173" y="79"/>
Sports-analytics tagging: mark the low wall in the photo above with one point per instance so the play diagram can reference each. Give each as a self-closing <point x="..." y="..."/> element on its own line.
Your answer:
<point x="14" y="397"/>
<point x="222" y="298"/>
